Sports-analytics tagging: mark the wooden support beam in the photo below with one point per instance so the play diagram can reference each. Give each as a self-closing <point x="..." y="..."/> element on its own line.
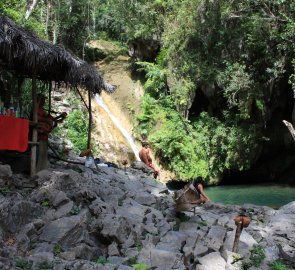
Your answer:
<point x="35" y="132"/>
<point x="49" y="98"/>
<point x="19" y="94"/>
<point x="82" y="98"/>
<point x="30" y="142"/>
<point x="89" y="120"/>
<point x="237" y="236"/>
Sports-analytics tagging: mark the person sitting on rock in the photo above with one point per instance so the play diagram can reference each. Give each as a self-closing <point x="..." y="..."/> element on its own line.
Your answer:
<point x="198" y="186"/>
<point x="144" y="155"/>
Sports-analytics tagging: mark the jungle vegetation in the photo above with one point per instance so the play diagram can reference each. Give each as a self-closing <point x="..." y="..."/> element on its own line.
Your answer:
<point x="212" y="81"/>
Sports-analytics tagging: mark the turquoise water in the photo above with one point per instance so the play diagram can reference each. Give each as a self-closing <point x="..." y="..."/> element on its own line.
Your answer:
<point x="269" y="195"/>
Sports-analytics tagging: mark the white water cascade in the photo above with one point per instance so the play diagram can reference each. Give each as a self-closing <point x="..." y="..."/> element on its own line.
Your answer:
<point x="116" y="122"/>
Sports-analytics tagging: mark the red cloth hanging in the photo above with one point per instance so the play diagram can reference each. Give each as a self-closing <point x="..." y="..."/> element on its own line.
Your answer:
<point x="14" y="133"/>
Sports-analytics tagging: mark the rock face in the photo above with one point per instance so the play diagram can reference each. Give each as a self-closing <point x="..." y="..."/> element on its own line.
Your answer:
<point x="78" y="218"/>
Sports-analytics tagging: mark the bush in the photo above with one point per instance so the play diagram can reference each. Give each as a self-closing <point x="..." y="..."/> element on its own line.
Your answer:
<point x="205" y="146"/>
<point x="140" y="266"/>
<point x="257" y="256"/>
<point x="77" y="125"/>
<point x="278" y="265"/>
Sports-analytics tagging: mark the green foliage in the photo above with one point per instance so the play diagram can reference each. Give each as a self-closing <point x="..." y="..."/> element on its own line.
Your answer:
<point x="130" y="108"/>
<point x="138" y="245"/>
<point x="156" y="78"/>
<point x="228" y="145"/>
<point x="179" y="149"/>
<point x="150" y="115"/>
<point x="183" y="217"/>
<point x="57" y="249"/>
<point x="75" y="210"/>
<point x="16" y="10"/>
<point x="206" y="146"/>
<point x="257" y="256"/>
<point x="292" y="77"/>
<point x="44" y="266"/>
<point x="202" y="37"/>
<point x="23" y="264"/>
<point x="71" y="23"/>
<point x="4" y="191"/>
<point x="202" y="223"/>
<point x="75" y="23"/>
<point x="239" y="89"/>
<point x="174" y="145"/>
<point x="46" y="203"/>
<point x="131" y="261"/>
<point x="278" y="265"/>
<point x="130" y="20"/>
<point x="140" y="266"/>
<point x="77" y="125"/>
<point x="102" y="260"/>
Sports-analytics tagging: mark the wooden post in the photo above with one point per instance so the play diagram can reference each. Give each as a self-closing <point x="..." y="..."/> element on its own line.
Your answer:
<point x="89" y="128"/>
<point x="81" y="98"/>
<point x="35" y="131"/>
<point x="237" y="236"/>
<point x="241" y="222"/>
<point x="19" y="94"/>
<point x="49" y="98"/>
<point x="90" y="120"/>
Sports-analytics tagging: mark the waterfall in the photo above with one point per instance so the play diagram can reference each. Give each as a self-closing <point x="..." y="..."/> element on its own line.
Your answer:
<point x="116" y="122"/>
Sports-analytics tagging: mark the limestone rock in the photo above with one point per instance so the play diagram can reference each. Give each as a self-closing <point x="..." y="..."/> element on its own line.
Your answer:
<point x="211" y="261"/>
<point x="5" y="171"/>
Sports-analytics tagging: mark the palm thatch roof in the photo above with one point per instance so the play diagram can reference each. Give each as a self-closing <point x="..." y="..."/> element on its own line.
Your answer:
<point x="24" y="53"/>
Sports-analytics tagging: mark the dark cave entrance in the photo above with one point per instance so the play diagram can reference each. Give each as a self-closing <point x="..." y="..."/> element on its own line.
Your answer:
<point x="276" y="161"/>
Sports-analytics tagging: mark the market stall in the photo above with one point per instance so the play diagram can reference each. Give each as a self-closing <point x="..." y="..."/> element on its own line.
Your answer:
<point x="25" y="56"/>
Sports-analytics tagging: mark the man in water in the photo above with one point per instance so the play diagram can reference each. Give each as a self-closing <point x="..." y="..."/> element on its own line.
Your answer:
<point x="198" y="186"/>
<point x="144" y="155"/>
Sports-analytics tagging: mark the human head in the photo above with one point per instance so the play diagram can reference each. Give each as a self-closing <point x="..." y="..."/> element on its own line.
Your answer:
<point x="197" y="181"/>
<point x="145" y="144"/>
<point x="41" y="99"/>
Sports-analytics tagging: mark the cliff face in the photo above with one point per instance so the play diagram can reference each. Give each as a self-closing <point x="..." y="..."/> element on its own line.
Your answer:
<point x="72" y="217"/>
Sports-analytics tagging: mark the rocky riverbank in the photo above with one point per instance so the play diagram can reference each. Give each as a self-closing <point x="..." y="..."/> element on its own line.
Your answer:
<point x="72" y="217"/>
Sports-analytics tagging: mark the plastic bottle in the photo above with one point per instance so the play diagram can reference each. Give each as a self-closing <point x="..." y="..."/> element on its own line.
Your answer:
<point x="17" y="111"/>
<point x="11" y="108"/>
<point x="11" y="111"/>
<point x="89" y="162"/>
<point x="1" y="106"/>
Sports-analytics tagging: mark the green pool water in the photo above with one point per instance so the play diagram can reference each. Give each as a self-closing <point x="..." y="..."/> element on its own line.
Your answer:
<point x="269" y="195"/>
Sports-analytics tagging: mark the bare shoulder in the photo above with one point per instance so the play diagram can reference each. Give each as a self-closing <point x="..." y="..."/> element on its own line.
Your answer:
<point x="200" y="187"/>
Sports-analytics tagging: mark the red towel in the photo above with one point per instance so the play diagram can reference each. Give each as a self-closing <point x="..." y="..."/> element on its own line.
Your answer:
<point x="14" y="133"/>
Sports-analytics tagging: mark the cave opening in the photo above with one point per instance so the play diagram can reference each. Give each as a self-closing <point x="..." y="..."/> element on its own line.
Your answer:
<point x="276" y="161"/>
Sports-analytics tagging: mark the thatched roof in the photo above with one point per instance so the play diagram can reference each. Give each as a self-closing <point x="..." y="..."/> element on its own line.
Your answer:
<point x="25" y="54"/>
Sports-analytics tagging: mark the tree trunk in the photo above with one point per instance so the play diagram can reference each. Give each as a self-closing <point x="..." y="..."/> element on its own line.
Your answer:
<point x="49" y="5"/>
<point x="30" y="9"/>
